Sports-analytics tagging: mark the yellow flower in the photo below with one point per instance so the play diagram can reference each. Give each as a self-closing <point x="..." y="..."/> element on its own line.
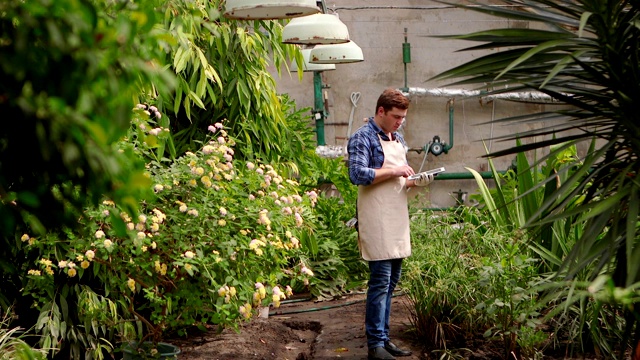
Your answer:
<point x="141" y="235"/>
<point x="243" y="232"/>
<point x="305" y="270"/>
<point x="188" y="267"/>
<point x="99" y="234"/>
<point x="222" y="222"/>
<point x="223" y="291"/>
<point x="90" y="254"/>
<point x="163" y="270"/>
<point x="245" y="310"/>
<point x="72" y="272"/>
<point x="193" y="182"/>
<point x="24" y="237"/>
<point x="183" y="208"/>
<point x="155" y="227"/>
<point x="85" y="264"/>
<point x="154" y="245"/>
<point x="45" y="262"/>
<point x="131" y="284"/>
<point x="189" y="254"/>
<point x="159" y="216"/>
<point x="34" y="272"/>
<point x="62" y="264"/>
<point x="48" y="270"/>
<point x="130" y="226"/>
<point x="107" y="243"/>
<point x="142" y="218"/>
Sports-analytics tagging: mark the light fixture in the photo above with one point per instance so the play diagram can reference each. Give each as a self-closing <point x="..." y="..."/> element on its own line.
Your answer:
<point x="336" y="54"/>
<point x="315" y="29"/>
<point x="269" y="9"/>
<point x="307" y="66"/>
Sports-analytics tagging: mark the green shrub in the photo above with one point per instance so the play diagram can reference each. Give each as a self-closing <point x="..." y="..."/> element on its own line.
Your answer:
<point x="463" y="281"/>
<point x="220" y="239"/>
<point x="13" y="345"/>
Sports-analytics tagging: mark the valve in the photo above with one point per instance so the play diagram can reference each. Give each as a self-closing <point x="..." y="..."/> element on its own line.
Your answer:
<point x="461" y="197"/>
<point x="436" y="147"/>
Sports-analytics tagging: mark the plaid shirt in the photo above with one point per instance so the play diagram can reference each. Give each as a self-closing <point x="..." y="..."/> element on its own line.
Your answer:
<point x="365" y="152"/>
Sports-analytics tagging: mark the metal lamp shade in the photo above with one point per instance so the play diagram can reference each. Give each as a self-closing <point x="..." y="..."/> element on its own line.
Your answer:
<point x="315" y="29"/>
<point x="309" y="66"/>
<point x="269" y="9"/>
<point x="336" y="54"/>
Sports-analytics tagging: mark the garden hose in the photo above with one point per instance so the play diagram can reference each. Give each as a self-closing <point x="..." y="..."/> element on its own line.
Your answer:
<point x="299" y="311"/>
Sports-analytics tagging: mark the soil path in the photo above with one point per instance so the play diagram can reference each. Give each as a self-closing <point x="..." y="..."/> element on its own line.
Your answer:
<point x="303" y="330"/>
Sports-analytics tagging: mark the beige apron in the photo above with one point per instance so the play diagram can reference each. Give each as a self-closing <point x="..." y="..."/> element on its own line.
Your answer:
<point x="383" y="212"/>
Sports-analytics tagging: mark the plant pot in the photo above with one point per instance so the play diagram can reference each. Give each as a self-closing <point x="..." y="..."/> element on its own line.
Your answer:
<point x="162" y="351"/>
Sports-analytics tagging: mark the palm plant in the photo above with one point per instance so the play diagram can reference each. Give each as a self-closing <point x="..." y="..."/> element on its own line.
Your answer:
<point x="584" y="53"/>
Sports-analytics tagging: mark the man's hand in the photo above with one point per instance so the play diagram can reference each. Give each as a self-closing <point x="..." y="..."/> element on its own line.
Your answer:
<point x="423" y="180"/>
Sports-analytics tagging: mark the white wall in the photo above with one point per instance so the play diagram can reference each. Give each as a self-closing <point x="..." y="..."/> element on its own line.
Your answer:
<point x="379" y="29"/>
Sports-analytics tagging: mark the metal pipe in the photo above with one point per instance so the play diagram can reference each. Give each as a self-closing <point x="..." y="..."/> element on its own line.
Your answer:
<point x="464" y="175"/>
<point x="526" y="96"/>
<point x="406" y="58"/>
<point x="448" y="147"/>
<point x="318" y="111"/>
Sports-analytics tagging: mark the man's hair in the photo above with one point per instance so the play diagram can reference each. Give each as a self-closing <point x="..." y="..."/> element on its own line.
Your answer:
<point x="391" y="98"/>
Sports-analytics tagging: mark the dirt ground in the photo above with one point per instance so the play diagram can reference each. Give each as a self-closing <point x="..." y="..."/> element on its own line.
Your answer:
<point x="303" y="330"/>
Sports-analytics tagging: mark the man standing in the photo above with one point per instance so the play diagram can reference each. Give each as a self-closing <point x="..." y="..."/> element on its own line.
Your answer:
<point x="378" y="165"/>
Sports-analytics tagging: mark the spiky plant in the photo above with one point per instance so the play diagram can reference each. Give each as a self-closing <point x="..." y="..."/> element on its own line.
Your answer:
<point x="584" y="53"/>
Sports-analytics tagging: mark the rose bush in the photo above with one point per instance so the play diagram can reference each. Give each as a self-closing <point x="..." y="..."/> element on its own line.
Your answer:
<point x="219" y="240"/>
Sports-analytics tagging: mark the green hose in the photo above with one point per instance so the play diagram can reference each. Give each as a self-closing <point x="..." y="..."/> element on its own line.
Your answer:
<point x="299" y="311"/>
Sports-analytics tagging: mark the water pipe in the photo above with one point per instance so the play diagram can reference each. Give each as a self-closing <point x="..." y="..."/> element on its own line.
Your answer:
<point x="406" y="58"/>
<point x="319" y="113"/>
<point x="464" y="175"/>
<point x="523" y="96"/>
<point x="448" y="146"/>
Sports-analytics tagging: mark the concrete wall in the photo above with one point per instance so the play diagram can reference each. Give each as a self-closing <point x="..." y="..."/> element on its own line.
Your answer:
<point x="379" y="29"/>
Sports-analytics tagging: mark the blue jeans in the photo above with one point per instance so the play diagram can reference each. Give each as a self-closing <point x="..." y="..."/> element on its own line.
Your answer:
<point x="383" y="278"/>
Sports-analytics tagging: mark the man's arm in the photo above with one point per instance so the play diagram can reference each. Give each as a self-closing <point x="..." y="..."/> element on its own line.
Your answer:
<point x="388" y="173"/>
<point x="360" y="153"/>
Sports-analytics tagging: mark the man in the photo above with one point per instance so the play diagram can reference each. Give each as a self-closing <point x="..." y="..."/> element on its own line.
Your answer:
<point x="378" y="165"/>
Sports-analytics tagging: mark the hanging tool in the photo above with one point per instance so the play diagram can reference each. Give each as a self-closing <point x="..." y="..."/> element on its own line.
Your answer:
<point x="355" y="97"/>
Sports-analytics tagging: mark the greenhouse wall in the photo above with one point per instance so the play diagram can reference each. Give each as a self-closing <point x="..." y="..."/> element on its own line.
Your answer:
<point x="351" y="91"/>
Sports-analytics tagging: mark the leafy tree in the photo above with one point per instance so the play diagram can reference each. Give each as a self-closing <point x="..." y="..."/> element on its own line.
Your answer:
<point x="222" y="70"/>
<point x="585" y="54"/>
<point x="69" y="72"/>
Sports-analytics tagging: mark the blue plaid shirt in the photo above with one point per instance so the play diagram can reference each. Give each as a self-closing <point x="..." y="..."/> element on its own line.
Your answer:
<point x="365" y="152"/>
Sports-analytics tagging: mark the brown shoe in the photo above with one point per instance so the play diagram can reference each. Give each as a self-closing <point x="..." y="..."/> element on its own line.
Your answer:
<point x="379" y="353"/>
<point x="394" y="350"/>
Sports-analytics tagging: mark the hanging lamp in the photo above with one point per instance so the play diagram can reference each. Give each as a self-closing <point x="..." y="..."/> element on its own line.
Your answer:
<point x="336" y="54"/>
<point x="307" y="66"/>
<point x="315" y="29"/>
<point x="269" y="9"/>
